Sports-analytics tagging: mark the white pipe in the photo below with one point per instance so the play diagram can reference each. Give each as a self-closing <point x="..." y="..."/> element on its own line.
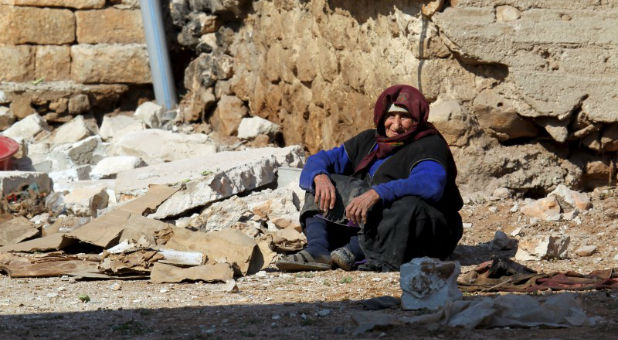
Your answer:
<point x="162" y="79"/>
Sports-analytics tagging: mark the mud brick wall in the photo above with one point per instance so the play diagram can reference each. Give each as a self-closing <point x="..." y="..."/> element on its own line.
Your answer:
<point x="54" y="50"/>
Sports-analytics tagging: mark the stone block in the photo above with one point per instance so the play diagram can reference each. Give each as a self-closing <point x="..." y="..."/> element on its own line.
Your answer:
<point x="18" y="63"/>
<point x="31" y="25"/>
<point x="53" y="63"/>
<point x="86" y="201"/>
<point x="104" y="63"/>
<point x="543" y="247"/>
<point x="117" y="126"/>
<point x="156" y="146"/>
<point x="252" y="127"/>
<point x="77" y="4"/>
<point x="108" y="167"/>
<point x="11" y="181"/>
<point x="428" y="283"/>
<point x="26" y="128"/>
<point x="150" y="114"/>
<point x="110" y="25"/>
<point x="71" y="132"/>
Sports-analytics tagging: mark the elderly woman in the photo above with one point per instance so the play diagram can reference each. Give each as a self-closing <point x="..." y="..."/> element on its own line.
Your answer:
<point x="383" y="197"/>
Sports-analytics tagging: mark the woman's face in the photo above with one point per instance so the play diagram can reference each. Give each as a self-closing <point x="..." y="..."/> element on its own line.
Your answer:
<point x="398" y="123"/>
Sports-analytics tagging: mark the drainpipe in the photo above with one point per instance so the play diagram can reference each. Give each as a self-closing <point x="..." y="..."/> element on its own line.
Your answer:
<point x="162" y="79"/>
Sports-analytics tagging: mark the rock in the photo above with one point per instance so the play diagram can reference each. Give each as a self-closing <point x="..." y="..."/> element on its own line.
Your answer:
<point x="150" y="114"/>
<point x="289" y="239"/>
<point x="507" y="13"/>
<point x="500" y="194"/>
<point x="26" y="128"/>
<point x="86" y="201"/>
<point x="79" y="103"/>
<point x="502" y="242"/>
<point x="71" y="132"/>
<point x="447" y="116"/>
<point x="557" y="129"/>
<point x="251" y="127"/>
<point x="7" y="118"/>
<point x="547" y="209"/>
<point x="11" y="181"/>
<point x="157" y="146"/>
<point x="195" y="103"/>
<point x="571" y="215"/>
<point x="428" y="284"/>
<point x="572" y="198"/>
<point x="118" y="126"/>
<point x="113" y="63"/>
<point x="83" y="152"/>
<point x="429" y="7"/>
<point x="585" y="251"/>
<point x="228" y="114"/>
<point x="541" y="247"/>
<point x="108" y="167"/>
<point x="498" y="117"/>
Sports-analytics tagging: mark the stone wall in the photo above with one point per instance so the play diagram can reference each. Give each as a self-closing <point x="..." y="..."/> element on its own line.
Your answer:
<point x="527" y="79"/>
<point x="55" y="53"/>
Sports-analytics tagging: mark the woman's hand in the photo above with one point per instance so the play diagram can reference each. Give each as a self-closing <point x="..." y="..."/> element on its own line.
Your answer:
<point x="325" y="195"/>
<point x="356" y="211"/>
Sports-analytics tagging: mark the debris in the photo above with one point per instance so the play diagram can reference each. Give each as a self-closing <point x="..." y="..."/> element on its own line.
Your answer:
<point x="45" y="243"/>
<point x="136" y="262"/>
<point x="150" y="114"/>
<point x="71" y="132"/>
<point x="585" y="251"/>
<point x="182" y="258"/>
<point x="289" y="239"/>
<point x="21" y="181"/>
<point x="26" y="128"/>
<point x="502" y="242"/>
<point x="78" y="173"/>
<point x="500" y="194"/>
<point x="108" y="167"/>
<point x="547" y="209"/>
<point x="165" y="273"/>
<point x="573" y="199"/>
<point x="543" y="248"/>
<point x="251" y="127"/>
<point x="16" y="230"/>
<point x="86" y="201"/>
<point x="115" y="127"/>
<point x="428" y="283"/>
<point x="49" y="266"/>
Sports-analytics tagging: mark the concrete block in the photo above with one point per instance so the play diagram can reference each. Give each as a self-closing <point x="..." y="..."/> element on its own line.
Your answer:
<point x="251" y="127"/>
<point x="110" y="166"/>
<point x="71" y="132"/>
<point x="103" y="63"/>
<point x="17" y="63"/>
<point x="26" y="128"/>
<point x="78" y="4"/>
<point x="110" y="26"/>
<point x="543" y="247"/>
<point x="31" y="25"/>
<point x="428" y="283"/>
<point x="117" y="126"/>
<point x="150" y="114"/>
<point x="156" y="146"/>
<point x="53" y="63"/>
<point x="11" y="181"/>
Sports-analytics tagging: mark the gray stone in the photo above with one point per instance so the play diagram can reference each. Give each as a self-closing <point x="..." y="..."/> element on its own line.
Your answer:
<point x="150" y="114"/>
<point x="26" y="128"/>
<point x="157" y="146"/>
<point x="118" y="126"/>
<point x="71" y="132"/>
<point x="251" y="127"/>
<point x="110" y="166"/>
<point x="11" y="181"/>
<point x="428" y="283"/>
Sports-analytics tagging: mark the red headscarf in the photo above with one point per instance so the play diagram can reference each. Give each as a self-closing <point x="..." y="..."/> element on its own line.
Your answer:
<point x="412" y="100"/>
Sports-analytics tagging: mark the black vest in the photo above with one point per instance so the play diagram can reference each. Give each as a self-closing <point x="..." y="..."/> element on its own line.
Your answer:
<point x="399" y="165"/>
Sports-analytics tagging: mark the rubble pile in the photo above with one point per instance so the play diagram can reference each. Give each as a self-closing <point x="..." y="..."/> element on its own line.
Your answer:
<point x="128" y="200"/>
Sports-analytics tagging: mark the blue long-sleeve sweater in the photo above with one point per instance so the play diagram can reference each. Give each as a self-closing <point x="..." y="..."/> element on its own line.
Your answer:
<point x="426" y="180"/>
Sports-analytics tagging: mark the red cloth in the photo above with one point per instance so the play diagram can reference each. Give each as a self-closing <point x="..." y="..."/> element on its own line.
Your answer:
<point x="412" y="100"/>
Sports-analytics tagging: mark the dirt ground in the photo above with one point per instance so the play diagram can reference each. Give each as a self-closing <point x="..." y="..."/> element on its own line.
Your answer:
<point x="310" y="305"/>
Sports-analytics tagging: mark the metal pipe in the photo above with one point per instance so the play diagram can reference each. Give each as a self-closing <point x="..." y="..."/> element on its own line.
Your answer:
<point x="162" y="79"/>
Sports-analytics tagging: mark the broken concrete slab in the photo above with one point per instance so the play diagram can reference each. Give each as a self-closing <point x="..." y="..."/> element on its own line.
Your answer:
<point x="19" y="266"/>
<point x="86" y="201"/>
<point x="108" y="167"/>
<point x="165" y="273"/>
<point x="11" y="181"/>
<point x="543" y="248"/>
<point x="16" y="230"/>
<point x="115" y="127"/>
<point x="428" y="283"/>
<point x="26" y="128"/>
<point x="46" y="243"/>
<point x="229" y="245"/>
<point x="71" y="132"/>
<point x="157" y="146"/>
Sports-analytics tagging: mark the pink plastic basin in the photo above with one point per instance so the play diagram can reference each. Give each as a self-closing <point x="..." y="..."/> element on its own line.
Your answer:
<point x="8" y="148"/>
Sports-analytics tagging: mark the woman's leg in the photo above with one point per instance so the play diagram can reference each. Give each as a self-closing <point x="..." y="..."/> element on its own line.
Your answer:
<point x="316" y="230"/>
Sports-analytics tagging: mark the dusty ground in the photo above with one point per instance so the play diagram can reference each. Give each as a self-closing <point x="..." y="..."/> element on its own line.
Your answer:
<point x="309" y="305"/>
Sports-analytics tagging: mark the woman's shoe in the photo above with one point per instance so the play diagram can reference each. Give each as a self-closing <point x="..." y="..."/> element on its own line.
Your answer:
<point x="304" y="261"/>
<point x="343" y="258"/>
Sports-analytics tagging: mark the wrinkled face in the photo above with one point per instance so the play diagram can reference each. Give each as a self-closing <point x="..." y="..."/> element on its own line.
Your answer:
<point x="398" y="123"/>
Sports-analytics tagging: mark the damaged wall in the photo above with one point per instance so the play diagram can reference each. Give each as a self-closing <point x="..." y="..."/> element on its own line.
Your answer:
<point x="537" y="80"/>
